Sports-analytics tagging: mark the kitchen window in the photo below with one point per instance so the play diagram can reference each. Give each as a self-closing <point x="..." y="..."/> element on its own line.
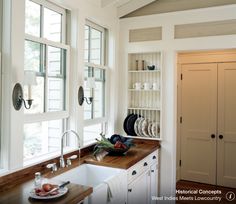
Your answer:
<point x="47" y="54"/>
<point x="94" y="57"/>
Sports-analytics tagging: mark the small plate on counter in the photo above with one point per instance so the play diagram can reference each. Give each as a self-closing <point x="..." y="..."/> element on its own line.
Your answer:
<point x="61" y="192"/>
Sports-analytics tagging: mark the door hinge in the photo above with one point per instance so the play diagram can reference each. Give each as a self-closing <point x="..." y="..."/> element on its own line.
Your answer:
<point x="181" y="76"/>
<point x="181" y="119"/>
<point x="180" y="162"/>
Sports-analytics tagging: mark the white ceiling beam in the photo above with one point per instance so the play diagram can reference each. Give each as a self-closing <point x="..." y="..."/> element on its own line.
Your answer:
<point x="131" y="6"/>
<point x="105" y="3"/>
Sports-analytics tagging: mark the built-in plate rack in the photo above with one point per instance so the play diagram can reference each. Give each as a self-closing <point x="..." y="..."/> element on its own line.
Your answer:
<point x="144" y="93"/>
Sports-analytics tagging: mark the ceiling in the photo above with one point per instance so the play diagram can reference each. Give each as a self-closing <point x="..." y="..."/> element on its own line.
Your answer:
<point x="125" y="7"/>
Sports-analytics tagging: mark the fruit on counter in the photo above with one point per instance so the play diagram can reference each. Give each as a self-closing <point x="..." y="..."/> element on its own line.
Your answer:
<point x="115" y="142"/>
<point x="42" y="192"/>
<point x="47" y="187"/>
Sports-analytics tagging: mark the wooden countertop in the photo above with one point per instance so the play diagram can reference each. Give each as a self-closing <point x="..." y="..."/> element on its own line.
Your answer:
<point x="20" y="195"/>
<point x="135" y="154"/>
<point x="16" y="190"/>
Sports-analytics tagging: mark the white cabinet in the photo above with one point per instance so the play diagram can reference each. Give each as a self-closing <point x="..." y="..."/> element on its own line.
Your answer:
<point x="144" y="94"/>
<point x="143" y="180"/>
<point x="138" y="190"/>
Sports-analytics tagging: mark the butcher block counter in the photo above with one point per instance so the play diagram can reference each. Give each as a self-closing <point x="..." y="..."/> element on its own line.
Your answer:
<point x="20" y="195"/>
<point x="14" y="188"/>
<point x="141" y="149"/>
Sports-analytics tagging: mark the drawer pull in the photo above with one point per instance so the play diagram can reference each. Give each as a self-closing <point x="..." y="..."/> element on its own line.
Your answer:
<point x="130" y="190"/>
<point x="134" y="172"/>
<point x="145" y="164"/>
<point x="154" y="157"/>
<point x="152" y="171"/>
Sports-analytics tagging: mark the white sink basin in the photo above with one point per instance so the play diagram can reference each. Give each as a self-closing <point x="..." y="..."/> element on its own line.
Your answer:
<point x="89" y="175"/>
<point x="96" y="177"/>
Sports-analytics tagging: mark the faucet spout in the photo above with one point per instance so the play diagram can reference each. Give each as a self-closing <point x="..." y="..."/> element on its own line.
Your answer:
<point x="62" y="161"/>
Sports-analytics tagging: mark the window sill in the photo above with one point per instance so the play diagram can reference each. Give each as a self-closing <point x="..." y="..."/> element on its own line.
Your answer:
<point x="45" y="157"/>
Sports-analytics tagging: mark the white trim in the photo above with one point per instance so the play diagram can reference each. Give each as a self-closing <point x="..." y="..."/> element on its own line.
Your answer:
<point x="51" y="6"/>
<point x="32" y="118"/>
<point x="94" y="121"/>
<point x="46" y="41"/>
<point x="88" y="64"/>
<point x="132" y="5"/>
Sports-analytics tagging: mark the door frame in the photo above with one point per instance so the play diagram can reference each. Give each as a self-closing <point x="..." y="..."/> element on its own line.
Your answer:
<point x="194" y="57"/>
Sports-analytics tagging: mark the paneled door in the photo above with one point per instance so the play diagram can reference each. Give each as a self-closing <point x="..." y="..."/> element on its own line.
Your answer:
<point x="226" y="141"/>
<point x="199" y="122"/>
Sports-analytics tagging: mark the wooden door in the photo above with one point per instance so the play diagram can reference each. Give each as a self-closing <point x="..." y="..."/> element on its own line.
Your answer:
<point x="199" y="120"/>
<point x="226" y="141"/>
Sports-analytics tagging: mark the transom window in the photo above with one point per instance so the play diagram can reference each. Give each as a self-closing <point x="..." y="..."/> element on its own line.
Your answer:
<point x="45" y="53"/>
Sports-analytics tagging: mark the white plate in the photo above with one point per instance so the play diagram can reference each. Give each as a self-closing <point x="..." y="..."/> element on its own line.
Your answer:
<point x="155" y="129"/>
<point x="136" y="126"/>
<point x="62" y="191"/>
<point x="145" y="128"/>
<point x="140" y="128"/>
<point x="150" y="129"/>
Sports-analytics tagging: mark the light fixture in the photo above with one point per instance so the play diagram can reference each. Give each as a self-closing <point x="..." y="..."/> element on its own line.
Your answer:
<point x="17" y="95"/>
<point x="91" y="84"/>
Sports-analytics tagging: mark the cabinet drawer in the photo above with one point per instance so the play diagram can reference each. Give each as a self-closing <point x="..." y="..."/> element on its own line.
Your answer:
<point x="153" y="157"/>
<point x="138" y="169"/>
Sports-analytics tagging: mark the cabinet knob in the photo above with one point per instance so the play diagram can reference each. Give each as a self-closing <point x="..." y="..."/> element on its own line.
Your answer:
<point x="134" y="172"/>
<point x="145" y="164"/>
<point x="221" y="137"/>
<point x="154" y="157"/>
<point x="130" y="190"/>
<point x="213" y="136"/>
<point x="152" y="171"/>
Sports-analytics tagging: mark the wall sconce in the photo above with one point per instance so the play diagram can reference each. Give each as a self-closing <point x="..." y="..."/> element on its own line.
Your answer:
<point x="17" y="95"/>
<point x="91" y="84"/>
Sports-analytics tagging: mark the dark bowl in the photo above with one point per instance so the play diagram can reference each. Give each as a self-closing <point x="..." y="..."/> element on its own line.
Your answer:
<point x="151" y="67"/>
<point x="116" y="151"/>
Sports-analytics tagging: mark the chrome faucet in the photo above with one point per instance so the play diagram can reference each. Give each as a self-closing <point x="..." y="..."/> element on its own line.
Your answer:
<point x="62" y="161"/>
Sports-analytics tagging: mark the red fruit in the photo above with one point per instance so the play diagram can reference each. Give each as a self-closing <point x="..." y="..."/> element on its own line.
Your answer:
<point x="118" y="145"/>
<point x="47" y="187"/>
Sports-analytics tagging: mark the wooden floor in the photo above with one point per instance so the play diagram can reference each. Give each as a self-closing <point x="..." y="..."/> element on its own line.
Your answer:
<point x="195" y="194"/>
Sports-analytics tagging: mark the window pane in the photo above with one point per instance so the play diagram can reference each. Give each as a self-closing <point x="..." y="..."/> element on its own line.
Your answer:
<point x="95" y="46"/>
<point x="86" y="44"/>
<point x="87" y="107"/>
<point x="42" y="138"/>
<point x="52" y="25"/>
<point x="55" y="94"/>
<point x="99" y="100"/>
<point x="54" y="61"/>
<point x="37" y="95"/>
<point x="91" y="133"/>
<point x="32" y="18"/>
<point x="32" y="56"/>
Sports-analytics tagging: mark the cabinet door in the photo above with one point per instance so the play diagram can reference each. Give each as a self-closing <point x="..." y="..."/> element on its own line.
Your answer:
<point x="139" y="189"/>
<point x="226" y="141"/>
<point x="199" y="120"/>
<point x="153" y="183"/>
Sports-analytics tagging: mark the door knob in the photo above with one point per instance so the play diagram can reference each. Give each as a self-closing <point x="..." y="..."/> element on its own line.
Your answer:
<point x="221" y="137"/>
<point x="213" y="136"/>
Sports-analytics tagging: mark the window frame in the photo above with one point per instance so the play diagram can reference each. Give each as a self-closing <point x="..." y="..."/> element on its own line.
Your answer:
<point x="45" y="43"/>
<point x="94" y="121"/>
<point x="102" y="121"/>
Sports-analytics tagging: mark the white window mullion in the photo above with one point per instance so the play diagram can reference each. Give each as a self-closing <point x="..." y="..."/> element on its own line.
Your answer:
<point x="46" y="80"/>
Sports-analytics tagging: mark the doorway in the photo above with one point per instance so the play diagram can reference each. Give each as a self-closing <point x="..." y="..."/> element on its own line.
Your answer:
<point x="207" y="117"/>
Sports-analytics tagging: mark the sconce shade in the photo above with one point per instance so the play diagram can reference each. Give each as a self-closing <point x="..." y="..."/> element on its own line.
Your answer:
<point x="91" y="84"/>
<point x="30" y="78"/>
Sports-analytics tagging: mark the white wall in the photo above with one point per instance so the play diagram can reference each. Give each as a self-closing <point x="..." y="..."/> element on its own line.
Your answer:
<point x="13" y="69"/>
<point x="170" y="47"/>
